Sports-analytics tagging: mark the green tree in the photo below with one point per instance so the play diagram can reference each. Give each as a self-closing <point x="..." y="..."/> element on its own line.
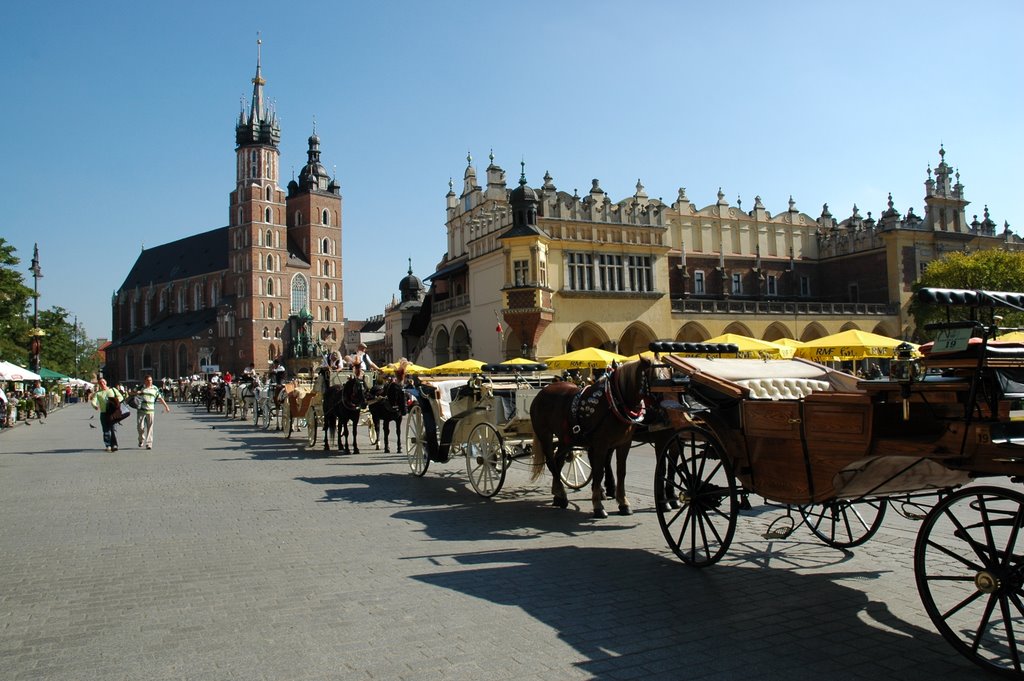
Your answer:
<point x="14" y="298"/>
<point x="991" y="270"/>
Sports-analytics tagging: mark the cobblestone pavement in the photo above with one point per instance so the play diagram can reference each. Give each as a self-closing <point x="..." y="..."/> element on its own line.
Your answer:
<point x="229" y="553"/>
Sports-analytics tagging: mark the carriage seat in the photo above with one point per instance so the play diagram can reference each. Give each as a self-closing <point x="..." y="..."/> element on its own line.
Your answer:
<point x="783" y="388"/>
<point x="446" y="392"/>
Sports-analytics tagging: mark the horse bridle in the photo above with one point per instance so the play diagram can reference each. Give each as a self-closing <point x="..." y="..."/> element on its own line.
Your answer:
<point x="632" y="416"/>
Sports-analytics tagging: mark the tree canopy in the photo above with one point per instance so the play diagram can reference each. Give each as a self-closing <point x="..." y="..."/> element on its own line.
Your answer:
<point x="14" y="299"/>
<point x="991" y="270"/>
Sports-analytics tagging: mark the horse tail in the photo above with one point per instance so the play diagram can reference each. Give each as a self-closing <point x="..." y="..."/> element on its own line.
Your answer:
<point x="540" y="458"/>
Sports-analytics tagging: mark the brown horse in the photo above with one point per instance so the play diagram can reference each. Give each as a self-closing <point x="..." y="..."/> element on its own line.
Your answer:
<point x="600" y="417"/>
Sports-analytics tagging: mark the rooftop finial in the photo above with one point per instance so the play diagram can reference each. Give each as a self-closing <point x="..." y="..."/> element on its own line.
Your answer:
<point x="410" y="265"/>
<point x="522" y="172"/>
<point x="491" y="156"/>
<point x="469" y="158"/>
<point x="314" y="124"/>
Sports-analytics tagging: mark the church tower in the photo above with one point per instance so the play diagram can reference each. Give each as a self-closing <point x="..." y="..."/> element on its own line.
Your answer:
<point x="257" y="235"/>
<point x="314" y="238"/>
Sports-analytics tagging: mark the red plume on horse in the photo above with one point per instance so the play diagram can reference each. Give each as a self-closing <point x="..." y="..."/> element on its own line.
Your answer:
<point x="601" y="418"/>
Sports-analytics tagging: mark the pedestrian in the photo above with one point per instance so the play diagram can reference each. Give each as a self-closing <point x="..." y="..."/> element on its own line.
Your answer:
<point x="145" y="415"/>
<point x="107" y="400"/>
<point x="39" y="399"/>
<point x="363" y="358"/>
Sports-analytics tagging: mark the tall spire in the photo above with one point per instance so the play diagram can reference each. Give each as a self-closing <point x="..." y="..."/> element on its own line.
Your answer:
<point x="256" y="111"/>
<point x="260" y="127"/>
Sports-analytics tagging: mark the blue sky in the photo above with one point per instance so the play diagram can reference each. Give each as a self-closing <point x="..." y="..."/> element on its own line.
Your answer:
<point x="118" y="116"/>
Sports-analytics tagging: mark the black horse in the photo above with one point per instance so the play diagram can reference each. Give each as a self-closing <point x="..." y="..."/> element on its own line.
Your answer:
<point x="341" y="407"/>
<point x="215" y="394"/>
<point x="388" y="403"/>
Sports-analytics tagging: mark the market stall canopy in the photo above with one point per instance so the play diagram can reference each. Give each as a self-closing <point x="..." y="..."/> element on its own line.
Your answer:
<point x="459" y="366"/>
<point x="753" y="347"/>
<point x="585" y="358"/>
<point x="13" y="372"/>
<point x="851" y="344"/>
<point x="51" y="375"/>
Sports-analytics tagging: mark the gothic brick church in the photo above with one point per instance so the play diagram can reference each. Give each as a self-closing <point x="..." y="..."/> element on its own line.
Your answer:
<point x="266" y="286"/>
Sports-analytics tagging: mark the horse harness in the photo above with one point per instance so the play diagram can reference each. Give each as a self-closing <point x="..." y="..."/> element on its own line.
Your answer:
<point x="584" y="406"/>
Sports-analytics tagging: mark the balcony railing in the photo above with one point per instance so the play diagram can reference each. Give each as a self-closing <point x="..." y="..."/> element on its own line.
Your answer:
<point x="780" y="307"/>
<point x="449" y="304"/>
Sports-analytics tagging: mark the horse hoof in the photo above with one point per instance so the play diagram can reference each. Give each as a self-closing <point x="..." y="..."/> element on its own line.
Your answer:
<point x="561" y="503"/>
<point x="387" y="451"/>
<point x="625" y="510"/>
<point x="600" y="513"/>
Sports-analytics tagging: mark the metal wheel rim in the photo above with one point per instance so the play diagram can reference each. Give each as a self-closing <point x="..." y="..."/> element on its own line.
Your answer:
<point x="576" y="472"/>
<point x="371" y="431"/>
<point x="485" y="460"/>
<point x="415" y="449"/>
<point x="969" y="568"/>
<point x="844" y="524"/>
<point x="692" y="469"/>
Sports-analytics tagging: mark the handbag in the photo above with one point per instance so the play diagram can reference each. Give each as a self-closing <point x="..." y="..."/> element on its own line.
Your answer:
<point x="134" y="401"/>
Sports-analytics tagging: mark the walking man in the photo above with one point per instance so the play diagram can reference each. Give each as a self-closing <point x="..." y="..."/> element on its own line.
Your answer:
<point x="107" y="397"/>
<point x="145" y="416"/>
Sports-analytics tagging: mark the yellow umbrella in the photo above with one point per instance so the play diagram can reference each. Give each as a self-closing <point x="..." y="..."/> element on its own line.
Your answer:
<point x="752" y="347"/>
<point x="585" y="358"/>
<point x="1012" y="337"/>
<point x="456" y="367"/>
<point x="410" y="369"/>
<point x="520" y="360"/>
<point x="646" y="353"/>
<point x="851" y="344"/>
<point x="789" y="343"/>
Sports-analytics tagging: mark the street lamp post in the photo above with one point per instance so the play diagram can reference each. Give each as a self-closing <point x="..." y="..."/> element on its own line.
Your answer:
<point x="36" y="343"/>
<point x="75" y="334"/>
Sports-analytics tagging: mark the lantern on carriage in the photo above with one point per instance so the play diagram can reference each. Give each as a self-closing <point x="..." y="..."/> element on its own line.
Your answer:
<point x="904" y="369"/>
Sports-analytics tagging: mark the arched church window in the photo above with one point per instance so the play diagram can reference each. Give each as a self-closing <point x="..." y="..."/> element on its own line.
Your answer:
<point x="270" y="263"/>
<point x="266" y="215"/>
<point x="268" y="193"/>
<point x="325" y="246"/>
<point x="325" y="217"/>
<point x="269" y="241"/>
<point x="270" y="286"/>
<point x="300" y="293"/>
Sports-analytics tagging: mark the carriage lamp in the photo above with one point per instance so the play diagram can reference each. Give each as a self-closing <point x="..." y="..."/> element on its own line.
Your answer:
<point x="905" y="370"/>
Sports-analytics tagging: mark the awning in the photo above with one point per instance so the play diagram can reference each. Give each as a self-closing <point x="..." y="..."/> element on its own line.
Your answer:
<point x="450" y="269"/>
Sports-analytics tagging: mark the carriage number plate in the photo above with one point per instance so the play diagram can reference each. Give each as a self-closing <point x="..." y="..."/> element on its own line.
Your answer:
<point x="951" y="340"/>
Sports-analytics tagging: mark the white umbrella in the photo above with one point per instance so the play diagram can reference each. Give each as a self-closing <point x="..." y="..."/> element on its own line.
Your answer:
<point x="13" y="372"/>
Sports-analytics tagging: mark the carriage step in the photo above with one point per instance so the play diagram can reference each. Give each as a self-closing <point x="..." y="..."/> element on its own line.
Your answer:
<point x="780" y="528"/>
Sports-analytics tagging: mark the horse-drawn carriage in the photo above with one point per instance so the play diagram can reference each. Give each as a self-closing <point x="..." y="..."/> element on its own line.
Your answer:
<point x="486" y="419"/>
<point x="840" y="450"/>
<point x="336" y="403"/>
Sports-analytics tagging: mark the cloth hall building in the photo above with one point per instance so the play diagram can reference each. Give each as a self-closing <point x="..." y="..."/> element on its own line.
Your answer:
<point x="539" y="272"/>
<point x="265" y="286"/>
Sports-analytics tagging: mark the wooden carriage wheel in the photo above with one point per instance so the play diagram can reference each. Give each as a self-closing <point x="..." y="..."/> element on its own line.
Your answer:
<point x="697" y="497"/>
<point x="415" y="442"/>
<point x="969" y="567"/>
<point x="576" y="472"/>
<point x="486" y="462"/>
<point x="844" y="524"/>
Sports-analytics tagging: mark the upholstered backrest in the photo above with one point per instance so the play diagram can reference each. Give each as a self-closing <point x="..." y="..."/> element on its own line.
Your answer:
<point x="783" y="388"/>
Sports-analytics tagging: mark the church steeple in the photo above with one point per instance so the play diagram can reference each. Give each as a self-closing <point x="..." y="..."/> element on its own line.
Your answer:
<point x="259" y="126"/>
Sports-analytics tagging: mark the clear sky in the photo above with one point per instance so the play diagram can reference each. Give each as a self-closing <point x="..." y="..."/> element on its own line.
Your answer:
<point x="118" y="117"/>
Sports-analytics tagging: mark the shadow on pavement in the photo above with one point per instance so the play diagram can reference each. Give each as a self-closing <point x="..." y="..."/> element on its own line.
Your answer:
<point x="631" y="610"/>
